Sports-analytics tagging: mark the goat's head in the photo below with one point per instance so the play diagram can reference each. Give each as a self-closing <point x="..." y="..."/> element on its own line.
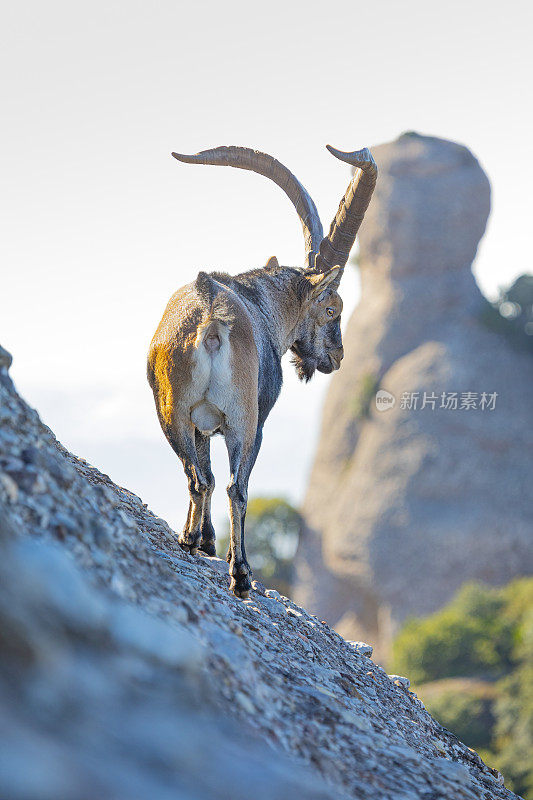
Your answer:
<point x="318" y="343"/>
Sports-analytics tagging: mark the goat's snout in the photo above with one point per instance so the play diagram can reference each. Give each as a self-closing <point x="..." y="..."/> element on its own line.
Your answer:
<point x="336" y="356"/>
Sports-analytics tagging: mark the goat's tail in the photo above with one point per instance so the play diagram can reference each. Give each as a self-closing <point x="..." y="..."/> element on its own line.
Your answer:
<point x="206" y="288"/>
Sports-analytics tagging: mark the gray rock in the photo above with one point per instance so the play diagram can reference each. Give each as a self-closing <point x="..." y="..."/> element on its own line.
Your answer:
<point x="8" y="487"/>
<point x="457" y="773"/>
<point x="154" y="638"/>
<point x="62" y="524"/>
<point x="6" y="359"/>
<point x="31" y="455"/>
<point x="259" y="587"/>
<point x="399" y="680"/>
<point x="362" y="648"/>
<point x="60" y="470"/>
<point x="51" y="578"/>
<point x="130" y="670"/>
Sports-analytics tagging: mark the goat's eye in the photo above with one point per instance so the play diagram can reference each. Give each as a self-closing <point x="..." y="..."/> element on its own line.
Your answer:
<point x="330" y="312"/>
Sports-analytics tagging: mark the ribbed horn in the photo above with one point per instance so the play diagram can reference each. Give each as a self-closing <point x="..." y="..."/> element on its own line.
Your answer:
<point x="263" y="164"/>
<point x="335" y="247"/>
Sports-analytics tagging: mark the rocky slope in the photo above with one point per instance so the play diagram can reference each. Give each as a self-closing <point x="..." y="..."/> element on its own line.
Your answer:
<point x="406" y="504"/>
<point x="129" y="670"/>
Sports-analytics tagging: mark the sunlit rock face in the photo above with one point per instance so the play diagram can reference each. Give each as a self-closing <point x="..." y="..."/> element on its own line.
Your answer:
<point x="404" y="505"/>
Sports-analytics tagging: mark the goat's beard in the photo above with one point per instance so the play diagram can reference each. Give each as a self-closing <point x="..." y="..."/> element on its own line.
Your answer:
<point x="304" y="363"/>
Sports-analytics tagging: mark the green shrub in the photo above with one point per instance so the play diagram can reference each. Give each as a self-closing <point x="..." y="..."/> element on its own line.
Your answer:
<point x="483" y="633"/>
<point x="471" y="636"/>
<point x="464" y="706"/>
<point x="513" y="732"/>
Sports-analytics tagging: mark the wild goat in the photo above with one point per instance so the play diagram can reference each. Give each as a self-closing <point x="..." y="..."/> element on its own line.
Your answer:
<point x="215" y="360"/>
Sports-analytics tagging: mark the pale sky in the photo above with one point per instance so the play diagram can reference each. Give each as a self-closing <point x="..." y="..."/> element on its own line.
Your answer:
<point x="100" y="225"/>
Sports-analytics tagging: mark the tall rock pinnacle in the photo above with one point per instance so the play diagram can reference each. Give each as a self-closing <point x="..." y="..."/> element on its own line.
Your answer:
<point x="406" y="504"/>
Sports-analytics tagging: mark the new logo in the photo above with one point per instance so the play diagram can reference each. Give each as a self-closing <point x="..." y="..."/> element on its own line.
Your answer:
<point x="384" y="400"/>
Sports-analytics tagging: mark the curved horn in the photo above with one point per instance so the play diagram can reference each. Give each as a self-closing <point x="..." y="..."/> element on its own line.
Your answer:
<point x="335" y="247"/>
<point x="246" y="158"/>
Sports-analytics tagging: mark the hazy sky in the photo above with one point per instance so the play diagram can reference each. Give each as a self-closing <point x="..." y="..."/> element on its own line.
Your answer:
<point x="100" y="225"/>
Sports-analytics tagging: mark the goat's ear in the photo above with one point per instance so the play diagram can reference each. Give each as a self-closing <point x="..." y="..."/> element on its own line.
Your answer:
<point x="272" y="262"/>
<point x="321" y="280"/>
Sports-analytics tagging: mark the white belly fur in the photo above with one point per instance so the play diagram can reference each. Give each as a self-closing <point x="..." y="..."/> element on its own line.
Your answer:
<point x="213" y="390"/>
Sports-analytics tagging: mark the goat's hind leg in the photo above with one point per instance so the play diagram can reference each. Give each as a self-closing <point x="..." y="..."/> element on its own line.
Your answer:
<point x="183" y="443"/>
<point x="207" y="538"/>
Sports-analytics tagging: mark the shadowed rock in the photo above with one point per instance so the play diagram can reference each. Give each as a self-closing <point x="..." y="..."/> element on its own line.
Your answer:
<point x="405" y="505"/>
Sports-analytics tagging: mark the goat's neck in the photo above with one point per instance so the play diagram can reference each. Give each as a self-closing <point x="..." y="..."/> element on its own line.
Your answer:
<point x="284" y="313"/>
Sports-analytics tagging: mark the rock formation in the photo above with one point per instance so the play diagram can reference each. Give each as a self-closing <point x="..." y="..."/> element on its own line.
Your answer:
<point x="130" y="671"/>
<point x="406" y="504"/>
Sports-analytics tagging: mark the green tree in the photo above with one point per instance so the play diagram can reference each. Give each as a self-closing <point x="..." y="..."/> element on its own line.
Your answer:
<point x="512" y="313"/>
<point x="272" y="532"/>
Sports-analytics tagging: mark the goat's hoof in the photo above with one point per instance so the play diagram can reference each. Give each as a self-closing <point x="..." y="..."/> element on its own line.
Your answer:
<point x="188" y="542"/>
<point x="239" y="591"/>
<point x="208" y="547"/>
<point x="188" y="548"/>
<point x="241" y="586"/>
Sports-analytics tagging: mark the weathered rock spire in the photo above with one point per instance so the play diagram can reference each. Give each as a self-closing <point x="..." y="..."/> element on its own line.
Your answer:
<point x="405" y="505"/>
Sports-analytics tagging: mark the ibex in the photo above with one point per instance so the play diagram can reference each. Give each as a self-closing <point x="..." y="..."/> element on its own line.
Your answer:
<point x="215" y="360"/>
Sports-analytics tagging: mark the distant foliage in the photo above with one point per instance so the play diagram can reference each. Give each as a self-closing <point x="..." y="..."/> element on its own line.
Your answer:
<point x="272" y="532"/>
<point x="512" y="313"/>
<point x="464" y="706"/>
<point x="484" y="634"/>
<point x="470" y="636"/>
<point x="514" y="715"/>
